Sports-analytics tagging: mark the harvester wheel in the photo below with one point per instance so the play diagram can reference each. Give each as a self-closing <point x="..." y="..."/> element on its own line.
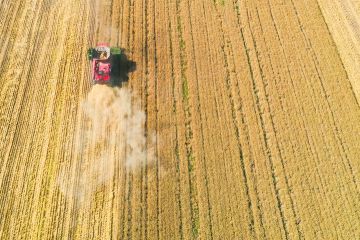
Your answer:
<point x="131" y="66"/>
<point x="90" y="53"/>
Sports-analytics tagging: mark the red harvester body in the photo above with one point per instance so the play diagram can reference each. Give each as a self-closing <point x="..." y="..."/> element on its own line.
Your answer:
<point x="101" y="57"/>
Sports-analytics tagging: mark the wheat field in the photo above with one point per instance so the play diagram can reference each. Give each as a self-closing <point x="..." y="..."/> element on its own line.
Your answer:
<point x="241" y="120"/>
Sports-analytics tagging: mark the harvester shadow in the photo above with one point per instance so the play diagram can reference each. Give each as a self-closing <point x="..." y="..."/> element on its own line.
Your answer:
<point x="121" y="67"/>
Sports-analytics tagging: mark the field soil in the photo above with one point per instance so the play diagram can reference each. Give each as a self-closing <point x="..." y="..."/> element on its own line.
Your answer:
<point x="240" y="120"/>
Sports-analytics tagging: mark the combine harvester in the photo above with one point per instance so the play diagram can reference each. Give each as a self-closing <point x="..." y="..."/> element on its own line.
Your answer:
<point x="103" y="57"/>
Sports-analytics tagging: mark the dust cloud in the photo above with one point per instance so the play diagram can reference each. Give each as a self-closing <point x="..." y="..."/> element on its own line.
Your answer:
<point x="112" y="139"/>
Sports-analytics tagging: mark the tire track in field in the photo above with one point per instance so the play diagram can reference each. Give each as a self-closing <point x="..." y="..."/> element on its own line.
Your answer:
<point x="174" y="110"/>
<point x="8" y="12"/>
<point x="296" y="97"/>
<point x="247" y="137"/>
<point x="142" y="76"/>
<point x="146" y="93"/>
<point x="128" y="33"/>
<point x="138" y="180"/>
<point x="194" y="208"/>
<point x="121" y="23"/>
<point x="236" y="122"/>
<point x="80" y="216"/>
<point x="114" y="23"/>
<point x="265" y="134"/>
<point x="244" y="124"/>
<point x="123" y="214"/>
<point x="130" y="193"/>
<point x="300" y="235"/>
<point x="291" y="63"/>
<point x="129" y="207"/>
<point x="116" y="181"/>
<point x="234" y="197"/>
<point x="105" y="212"/>
<point x="210" y="59"/>
<point x="122" y="175"/>
<point x="298" y="106"/>
<point x="156" y="120"/>
<point x="126" y="212"/>
<point x="275" y="185"/>
<point x="137" y="53"/>
<point x="89" y="155"/>
<point x="139" y="80"/>
<point x="150" y="176"/>
<point x="201" y="120"/>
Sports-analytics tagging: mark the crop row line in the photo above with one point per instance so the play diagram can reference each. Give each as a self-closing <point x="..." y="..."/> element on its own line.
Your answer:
<point x="226" y="44"/>
<point x="265" y="139"/>
<point x="310" y="145"/>
<point x="72" y="132"/>
<point x="10" y="89"/>
<point x="218" y="107"/>
<point x="126" y="179"/>
<point x="8" y="26"/>
<point x="297" y="220"/>
<point x="115" y="178"/>
<point x="7" y="167"/>
<point x="35" y="195"/>
<point x="203" y="160"/>
<point x="235" y="6"/>
<point x="146" y="93"/>
<point x="72" y="116"/>
<point x="262" y="124"/>
<point x="195" y="221"/>
<point x="177" y="155"/>
<point x="308" y="136"/>
<point x="300" y="235"/>
<point x="55" y="60"/>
